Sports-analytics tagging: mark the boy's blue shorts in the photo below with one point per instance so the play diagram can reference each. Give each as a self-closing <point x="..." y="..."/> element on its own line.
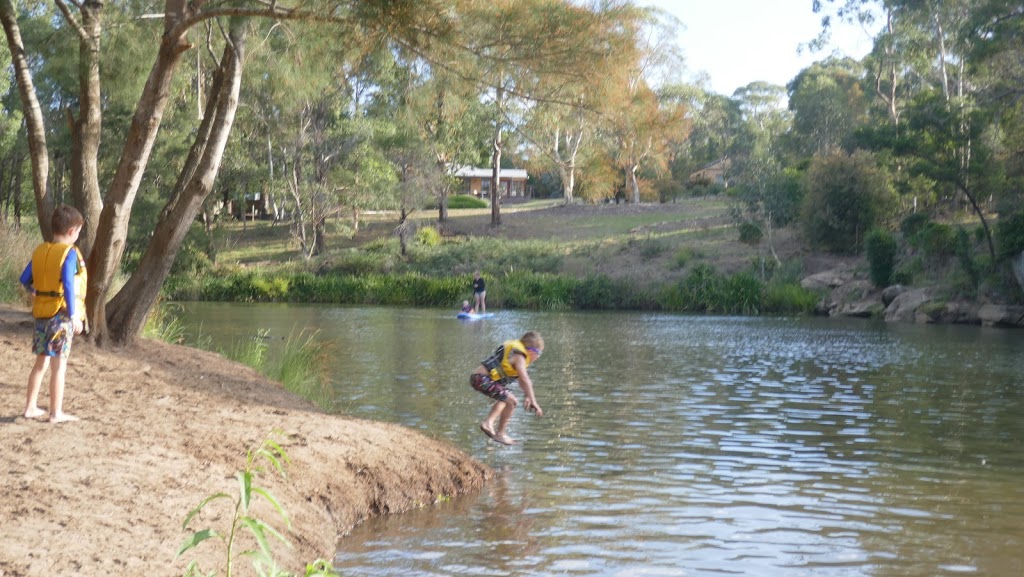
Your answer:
<point x="53" y="336"/>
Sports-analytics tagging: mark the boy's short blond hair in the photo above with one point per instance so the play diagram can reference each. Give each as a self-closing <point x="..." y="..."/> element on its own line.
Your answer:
<point x="533" y="340"/>
<point x="64" y="218"/>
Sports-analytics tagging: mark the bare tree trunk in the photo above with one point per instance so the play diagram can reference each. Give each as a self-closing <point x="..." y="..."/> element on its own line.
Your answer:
<point x="33" y="117"/>
<point x="86" y="129"/>
<point x="128" y="309"/>
<point x="634" y="184"/>
<point x="113" y="223"/>
<point x="496" y="161"/>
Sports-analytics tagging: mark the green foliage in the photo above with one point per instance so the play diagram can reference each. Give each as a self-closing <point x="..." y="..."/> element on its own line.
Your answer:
<point x="907" y="272"/>
<point x="428" y="236"/>
<point x="466" y="201"/>
<point x="250" y="351"/>
<point x="935" y="240"/>
<point x="163" y="324"/>
<point x="742" y="294"/>
<point x="846" y="196"/>
<point x="1009" y="235"/>
<point x="241" y="521"/>
<point x="15" y="252"/>
<point x="304" y="368"/>
<point x="685" y="256"/>
<point x="750" y="233"/>
<point x="789" y="299"/>
<point x="650" y="248"/>
<point x="965" y="256"/>
<point x="191" y="259"/>
<point x="913" y="223"/>
<point x="880" y="246"/>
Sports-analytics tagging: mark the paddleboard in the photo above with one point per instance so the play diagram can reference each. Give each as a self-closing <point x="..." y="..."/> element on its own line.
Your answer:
<point x="474" y="316"/>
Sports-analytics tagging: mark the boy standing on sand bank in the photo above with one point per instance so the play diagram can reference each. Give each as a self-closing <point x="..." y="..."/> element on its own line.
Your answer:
<point x="497" y="372"/>
<point x="56" y="277"/>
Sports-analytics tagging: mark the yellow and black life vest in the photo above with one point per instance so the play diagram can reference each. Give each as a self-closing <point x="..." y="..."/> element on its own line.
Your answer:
<point x="47" y="264"/>
<point x="499" y="365"/>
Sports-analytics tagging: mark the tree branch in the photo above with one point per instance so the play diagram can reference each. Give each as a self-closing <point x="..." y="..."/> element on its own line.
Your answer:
<point x="71" y="18"/>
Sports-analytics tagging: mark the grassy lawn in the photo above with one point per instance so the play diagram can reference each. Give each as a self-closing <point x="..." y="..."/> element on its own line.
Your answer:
<point x="650" y="242"/>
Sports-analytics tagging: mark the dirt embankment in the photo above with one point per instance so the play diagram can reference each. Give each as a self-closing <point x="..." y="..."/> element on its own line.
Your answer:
<point x="164" y="427"/>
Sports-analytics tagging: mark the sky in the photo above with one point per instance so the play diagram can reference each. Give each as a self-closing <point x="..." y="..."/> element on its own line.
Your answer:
<point x="742" y="41"/>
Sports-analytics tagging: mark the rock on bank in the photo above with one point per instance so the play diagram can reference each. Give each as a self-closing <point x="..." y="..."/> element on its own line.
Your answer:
<point x="164" y="427"/>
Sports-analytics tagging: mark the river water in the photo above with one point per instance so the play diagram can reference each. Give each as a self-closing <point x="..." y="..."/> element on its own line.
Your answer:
<point x="690" y="446"/>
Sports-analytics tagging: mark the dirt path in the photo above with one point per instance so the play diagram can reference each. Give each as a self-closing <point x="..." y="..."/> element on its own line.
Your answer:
<point x="165" y="426"/>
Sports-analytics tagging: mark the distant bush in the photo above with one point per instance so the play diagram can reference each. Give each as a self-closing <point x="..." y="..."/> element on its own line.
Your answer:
<point x="466" y="201"/>
<point x="912" y="223"/>
<point x="935" y="240"/>
<point x="846" y="196"/>
<point x="880" y="246"/>
<point x="428" y="236"/>
<point x="685" y="256"/>
<point x="1009" y="235"/>
<point x="750" y="233"/>
<point x="789" y="299"/>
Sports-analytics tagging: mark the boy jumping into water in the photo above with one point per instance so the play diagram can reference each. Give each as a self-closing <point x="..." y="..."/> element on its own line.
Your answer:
<point x="497" y="372"/>
<point x="56" y="276"/>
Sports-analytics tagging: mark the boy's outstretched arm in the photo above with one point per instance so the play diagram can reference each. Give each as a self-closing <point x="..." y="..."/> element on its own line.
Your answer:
<point x="530" y="402"/>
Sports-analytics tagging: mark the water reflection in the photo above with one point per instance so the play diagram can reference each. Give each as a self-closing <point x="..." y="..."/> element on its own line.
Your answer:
<point x="698" y="446"/>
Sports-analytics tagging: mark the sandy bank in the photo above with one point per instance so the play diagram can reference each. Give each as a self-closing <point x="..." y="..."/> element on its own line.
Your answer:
<point x="165" y="426"/>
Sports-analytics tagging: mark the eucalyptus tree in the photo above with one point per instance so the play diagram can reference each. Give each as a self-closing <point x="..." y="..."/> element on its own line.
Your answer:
<point x="564" y="131"/>
<point x="642" y="126"/>
<point x="714" y="122"/>
<point x="452" y="122"/>
<point x="929" y="46"/>
<point x="529" y="52"/>
<point x="413" y="23"/>
<point x="828" y="103"/>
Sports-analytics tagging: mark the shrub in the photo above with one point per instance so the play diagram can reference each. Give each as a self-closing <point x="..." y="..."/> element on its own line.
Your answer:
<point x="846" y="196"/>
<point x="428" y="236"/>
<point x="742" y="294"/>
<point x="880" y="246"/>
<point x="466" y="201"/>
<point x="913" y="223"/>
<point x="1009" y="235"/>
<point x="750" y="233"/>
<point x="700" y="290"/>
<point x="935" y="240"/>
<point x="684" y="256"/>
<point x="651" y="248"/>
<point x="789" y="298"/>
<point x="965" y="254"/>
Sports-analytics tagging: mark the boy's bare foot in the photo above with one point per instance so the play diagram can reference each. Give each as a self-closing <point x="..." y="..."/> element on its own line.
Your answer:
<point x="34" y="413"/>
<point x="63" y="418"/>
<point x="504" y="439"/>
<point x="487" y="430"/>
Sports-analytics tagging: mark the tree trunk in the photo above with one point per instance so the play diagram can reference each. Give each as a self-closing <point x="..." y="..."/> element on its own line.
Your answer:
<point x="108" y="249"/>
<point x="496" y="162"/>
<point x="86" y="129"/>
<point x="33" y="117"/>
<point x="634" y="184"/>
<point x="128" y="309"/>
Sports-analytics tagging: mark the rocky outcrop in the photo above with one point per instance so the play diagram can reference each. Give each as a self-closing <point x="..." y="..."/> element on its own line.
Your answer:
<point x="1002" y="315"/>
<point x="890" y="293"/>
<point x="827" y="280"/>
<point x="1018" y="269"/>
<point x="904" y="307"/>
<point x="847" y="296"/>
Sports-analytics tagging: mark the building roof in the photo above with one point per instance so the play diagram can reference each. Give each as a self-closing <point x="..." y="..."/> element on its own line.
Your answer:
<point x="475" y="172"/>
